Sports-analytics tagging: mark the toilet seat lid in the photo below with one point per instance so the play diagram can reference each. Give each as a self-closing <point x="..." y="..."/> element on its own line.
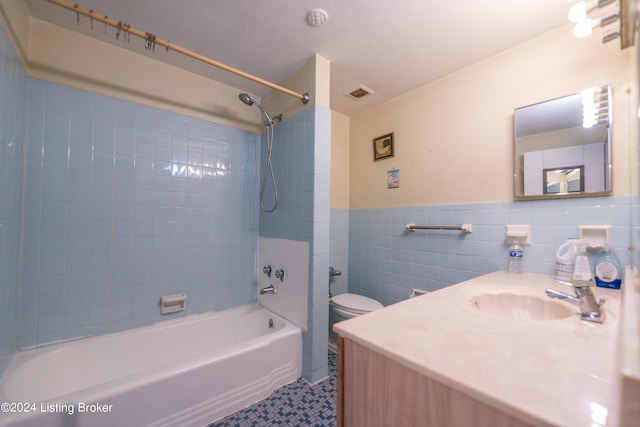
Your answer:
<point x="356" y="302"/>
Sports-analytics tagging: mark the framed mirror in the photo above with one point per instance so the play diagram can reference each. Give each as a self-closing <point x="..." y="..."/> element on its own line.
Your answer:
<point x="562" y="147"/>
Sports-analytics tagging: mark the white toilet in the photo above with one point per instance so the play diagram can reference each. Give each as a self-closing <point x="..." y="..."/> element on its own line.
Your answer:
<point x="346" y="306"/>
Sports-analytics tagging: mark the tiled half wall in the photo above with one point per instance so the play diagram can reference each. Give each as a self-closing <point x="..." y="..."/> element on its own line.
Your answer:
<point x="386" y="261"/>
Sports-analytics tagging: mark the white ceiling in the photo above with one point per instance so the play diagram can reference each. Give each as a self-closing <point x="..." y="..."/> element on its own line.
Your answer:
<point x="390" y="47"/>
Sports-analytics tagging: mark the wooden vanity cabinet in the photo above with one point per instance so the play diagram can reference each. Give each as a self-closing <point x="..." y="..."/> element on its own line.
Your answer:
<point x="374" y="390"/>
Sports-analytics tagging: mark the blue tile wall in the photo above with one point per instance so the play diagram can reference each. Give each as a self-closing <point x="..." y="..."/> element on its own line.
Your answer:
<point x="317" y="345"/>
<point x="386" y="262"/>
<point x="292" y="158"/>
<point x="13" y="84"/>
<point x="301" y="156"/>
<point x="125" y="203"/>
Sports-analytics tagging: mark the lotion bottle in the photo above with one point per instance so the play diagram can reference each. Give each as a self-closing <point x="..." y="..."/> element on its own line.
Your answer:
<point x="582" y="267"/>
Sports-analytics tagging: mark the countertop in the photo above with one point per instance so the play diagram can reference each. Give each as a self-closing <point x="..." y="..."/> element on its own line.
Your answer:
<point x="559" y="372"/>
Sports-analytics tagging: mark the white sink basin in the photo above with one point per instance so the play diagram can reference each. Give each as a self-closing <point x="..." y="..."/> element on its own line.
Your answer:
<point x="521" y="307"/>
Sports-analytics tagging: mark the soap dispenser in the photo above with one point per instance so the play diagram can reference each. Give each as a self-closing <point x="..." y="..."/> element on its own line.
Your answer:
<point x="607" y="269"/>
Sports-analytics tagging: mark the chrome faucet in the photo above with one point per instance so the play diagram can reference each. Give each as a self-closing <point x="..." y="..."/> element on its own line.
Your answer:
<point x="271" y="289"/>
<point x="584" y="298"/>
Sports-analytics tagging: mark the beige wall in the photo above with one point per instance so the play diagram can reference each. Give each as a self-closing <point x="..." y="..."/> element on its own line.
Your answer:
<point x="312" y="78"/>
<point x="15" y="13"/>
<point x="70" y="58"/>
<point x="339" y="160"/>
<point x="66" y="57"/>
<point x="55" y="54"/>
<point x="453" y="137"/>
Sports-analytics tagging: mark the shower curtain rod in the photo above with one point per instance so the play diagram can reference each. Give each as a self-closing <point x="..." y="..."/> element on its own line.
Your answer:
<point x="151" y="40"/>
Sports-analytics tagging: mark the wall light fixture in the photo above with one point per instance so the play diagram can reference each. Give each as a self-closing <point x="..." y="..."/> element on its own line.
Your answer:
<point x="624" y="13"/>
<point x="580" y="10"/>
<point x="579" y="13"/>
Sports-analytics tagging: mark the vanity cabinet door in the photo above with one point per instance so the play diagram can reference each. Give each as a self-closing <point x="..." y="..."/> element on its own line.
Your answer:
<point x="376" y="391"/>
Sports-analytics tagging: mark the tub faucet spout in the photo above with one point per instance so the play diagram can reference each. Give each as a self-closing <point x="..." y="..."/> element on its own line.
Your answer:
<point x="584" y="299"/>
<point x="271" y="289"/>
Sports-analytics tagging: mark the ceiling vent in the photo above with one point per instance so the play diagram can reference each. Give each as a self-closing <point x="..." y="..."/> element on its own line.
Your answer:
<point x="361" y="92"/>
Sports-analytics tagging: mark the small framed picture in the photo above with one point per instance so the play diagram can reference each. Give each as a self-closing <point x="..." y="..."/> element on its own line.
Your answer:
<point x="383" y="147"/>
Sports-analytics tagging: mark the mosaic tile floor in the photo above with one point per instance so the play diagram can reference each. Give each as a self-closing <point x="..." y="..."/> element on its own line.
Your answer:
<point x="297" y="404"/>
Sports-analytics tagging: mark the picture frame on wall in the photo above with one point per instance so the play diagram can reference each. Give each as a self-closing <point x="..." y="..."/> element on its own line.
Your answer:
<point x="393" y="178"/>
<point x="383" y="147"/>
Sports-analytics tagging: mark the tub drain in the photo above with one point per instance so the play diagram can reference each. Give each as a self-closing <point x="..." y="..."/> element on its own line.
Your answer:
<point x="271" y="324"/>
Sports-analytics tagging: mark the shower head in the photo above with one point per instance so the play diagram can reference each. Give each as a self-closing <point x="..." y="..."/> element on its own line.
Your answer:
<point x="244" y="97"/>
<point x="249" y="100"/>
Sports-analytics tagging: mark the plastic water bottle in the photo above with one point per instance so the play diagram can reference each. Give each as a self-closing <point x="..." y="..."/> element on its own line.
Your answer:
<point x="515" y="258"/>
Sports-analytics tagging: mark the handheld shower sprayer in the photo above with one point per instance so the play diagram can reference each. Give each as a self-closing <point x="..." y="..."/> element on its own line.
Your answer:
<point x="249" y="100"/>
<point x="246" y="98"/>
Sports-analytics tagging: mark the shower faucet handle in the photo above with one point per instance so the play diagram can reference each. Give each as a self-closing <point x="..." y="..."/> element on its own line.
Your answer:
<point x="267" y="270"/>
<point x="280" y="274"/>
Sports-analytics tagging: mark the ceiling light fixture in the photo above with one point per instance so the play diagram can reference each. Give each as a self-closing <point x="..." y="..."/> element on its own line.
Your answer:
<point x="317" y="17"/>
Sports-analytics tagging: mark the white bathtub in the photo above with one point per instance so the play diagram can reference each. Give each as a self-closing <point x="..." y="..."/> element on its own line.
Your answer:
<point x="185" y="372"/>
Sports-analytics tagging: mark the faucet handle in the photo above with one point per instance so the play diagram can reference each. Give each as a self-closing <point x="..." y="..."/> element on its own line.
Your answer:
<point x="333" y="272"/>
<point x="267" y="270"/>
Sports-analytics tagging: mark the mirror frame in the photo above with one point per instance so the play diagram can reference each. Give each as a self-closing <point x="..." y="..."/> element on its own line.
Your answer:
<point x="518" y="170"/>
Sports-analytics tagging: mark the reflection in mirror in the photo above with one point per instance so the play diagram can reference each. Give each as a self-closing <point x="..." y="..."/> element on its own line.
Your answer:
<point x="572" y="130"/>
<point x="563" y="181"/>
